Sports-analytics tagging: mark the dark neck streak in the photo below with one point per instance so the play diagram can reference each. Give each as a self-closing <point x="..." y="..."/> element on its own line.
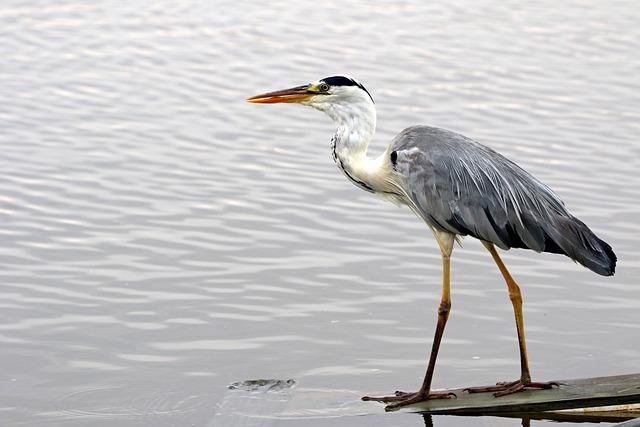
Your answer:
<point x="340" y="164"/>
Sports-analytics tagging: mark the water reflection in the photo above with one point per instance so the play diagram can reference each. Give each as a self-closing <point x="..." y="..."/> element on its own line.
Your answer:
<point x="525" y="420"/>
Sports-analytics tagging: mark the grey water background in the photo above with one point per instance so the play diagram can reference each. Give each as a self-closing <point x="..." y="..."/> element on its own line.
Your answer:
<point x="161" y="239"/>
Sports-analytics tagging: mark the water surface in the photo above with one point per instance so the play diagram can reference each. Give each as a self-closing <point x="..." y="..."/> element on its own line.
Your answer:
<point x="162" y="239"/>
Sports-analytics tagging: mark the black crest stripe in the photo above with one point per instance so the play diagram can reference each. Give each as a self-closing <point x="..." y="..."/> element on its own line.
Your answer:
<point x="344" y="81"/>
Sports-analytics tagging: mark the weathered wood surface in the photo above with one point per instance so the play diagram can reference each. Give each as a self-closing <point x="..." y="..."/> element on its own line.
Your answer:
<point x="577" y="393"/>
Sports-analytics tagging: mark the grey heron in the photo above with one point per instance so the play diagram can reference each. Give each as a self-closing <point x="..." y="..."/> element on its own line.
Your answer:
<point x="458" y="187"/>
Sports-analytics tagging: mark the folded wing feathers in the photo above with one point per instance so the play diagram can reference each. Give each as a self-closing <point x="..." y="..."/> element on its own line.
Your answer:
<point x="466" y="188"/>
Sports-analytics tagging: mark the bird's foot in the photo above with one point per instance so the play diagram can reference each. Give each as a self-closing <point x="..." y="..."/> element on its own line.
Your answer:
<point x="505" y="388"/>
<point x="401" y="398"/>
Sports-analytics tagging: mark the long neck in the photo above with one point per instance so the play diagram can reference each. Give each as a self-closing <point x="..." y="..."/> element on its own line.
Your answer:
<point x="356" y="125"/>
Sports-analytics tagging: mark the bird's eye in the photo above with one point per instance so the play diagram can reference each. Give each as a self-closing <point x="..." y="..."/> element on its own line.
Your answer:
<point x="323" y="87"/>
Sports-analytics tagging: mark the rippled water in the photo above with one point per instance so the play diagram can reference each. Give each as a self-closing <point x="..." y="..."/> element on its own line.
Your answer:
<point x="162" y="239"/>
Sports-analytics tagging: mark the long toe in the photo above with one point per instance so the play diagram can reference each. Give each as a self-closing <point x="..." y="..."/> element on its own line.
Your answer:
<point x="388" y="399"/>
<point x="518" y="386"/>
<point x="501" y="386"/>
<point x="396" y="397"/>
<point x="506" y="388"/>
<point x="550" y="384"/>
<point x="526" y="385"/>
<point x="418" y="397"/>
<point x="402" y="398"/>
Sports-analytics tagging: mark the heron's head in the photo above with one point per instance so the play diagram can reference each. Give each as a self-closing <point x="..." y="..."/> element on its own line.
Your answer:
<point x="337" y="96"/>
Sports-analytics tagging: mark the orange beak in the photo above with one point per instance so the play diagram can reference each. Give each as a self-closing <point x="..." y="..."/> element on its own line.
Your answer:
<point x="295" y="94"/>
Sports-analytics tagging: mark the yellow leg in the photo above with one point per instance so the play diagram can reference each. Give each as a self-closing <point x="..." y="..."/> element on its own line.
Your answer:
<point x="443" y="316"/>
<point x="516" y="300"/>
<point x="502" y="389"/>
<point x="445" y="240"/>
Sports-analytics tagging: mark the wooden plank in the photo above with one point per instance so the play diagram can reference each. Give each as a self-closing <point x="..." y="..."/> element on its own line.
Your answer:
<point x="575" y="393"/>
<point x="574" y="417"/>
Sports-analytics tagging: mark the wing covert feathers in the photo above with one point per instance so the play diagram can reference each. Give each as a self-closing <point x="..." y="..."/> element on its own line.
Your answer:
<point x="466" y="188"/>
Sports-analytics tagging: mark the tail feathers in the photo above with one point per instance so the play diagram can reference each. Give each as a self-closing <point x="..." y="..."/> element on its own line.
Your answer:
<point x="570" y="236"/>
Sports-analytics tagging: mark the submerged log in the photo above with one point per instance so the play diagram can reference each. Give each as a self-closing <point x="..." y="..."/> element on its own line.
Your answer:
<point x="588" y="394"/>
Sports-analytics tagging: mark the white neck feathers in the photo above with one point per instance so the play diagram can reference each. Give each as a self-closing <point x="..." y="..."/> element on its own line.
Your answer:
<point x="355" y="118"/>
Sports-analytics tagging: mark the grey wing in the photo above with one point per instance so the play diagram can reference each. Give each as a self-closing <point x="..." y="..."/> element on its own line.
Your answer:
<point x="463" y="187"/>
